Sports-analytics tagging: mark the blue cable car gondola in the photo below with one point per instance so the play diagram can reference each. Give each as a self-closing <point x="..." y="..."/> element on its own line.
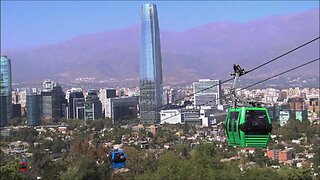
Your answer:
<point x="118" y="159"/>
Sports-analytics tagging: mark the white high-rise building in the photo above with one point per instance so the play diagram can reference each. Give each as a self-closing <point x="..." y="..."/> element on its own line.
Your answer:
<point x="104" y="95"/>
<point x="207" y="92"/>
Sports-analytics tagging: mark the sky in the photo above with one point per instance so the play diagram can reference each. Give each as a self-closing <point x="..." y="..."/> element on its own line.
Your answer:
<point x="30" y="24"/>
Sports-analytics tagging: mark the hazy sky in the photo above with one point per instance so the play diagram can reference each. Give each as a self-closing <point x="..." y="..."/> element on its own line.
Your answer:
<point x="27" y="24"/>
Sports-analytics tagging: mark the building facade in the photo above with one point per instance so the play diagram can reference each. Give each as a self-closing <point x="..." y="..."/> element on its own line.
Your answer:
<point x="151" y="81"/>
<point x="283" y="155"/>
<point x="16" y="110"/>
<point x="6" y="84"/>
<point x="104" y="94"/>
<point x="75" y="104"/>
<point x="284" y="117"/>
<point x="121" y="108"/>
<point x="3" y="111"/>
<point x="46" y="105"/>
<point x="33" y="109"/>
<point x="92" y="106"/>
<point x="58" y="102"/>
<point x="207" y="92"/>
<point x="52" y="101"/>
<point x="297" y="104"/>
<point x="182" y="116"/>
<point x="171" y="116"/>
<point x="314" y="104"/>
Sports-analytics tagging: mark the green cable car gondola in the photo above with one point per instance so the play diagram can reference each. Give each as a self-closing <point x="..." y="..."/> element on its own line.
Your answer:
<point x="248" y="127"/>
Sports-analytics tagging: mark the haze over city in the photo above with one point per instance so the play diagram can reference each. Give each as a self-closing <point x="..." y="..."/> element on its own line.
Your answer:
<point x="30" y="24"/>
<point x="160" y="90"/>
<point x="58" y="38"/>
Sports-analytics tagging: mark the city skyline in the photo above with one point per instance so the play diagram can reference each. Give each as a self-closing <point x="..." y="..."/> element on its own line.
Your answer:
<point x="52" y="22"/>
<point x="172" y="112"/>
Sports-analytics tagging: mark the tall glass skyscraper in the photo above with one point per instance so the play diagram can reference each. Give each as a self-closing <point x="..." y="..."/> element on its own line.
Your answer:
<point x="150" y="66"/>
<point x="33" y="109"/>
<point x="6" y="85"/>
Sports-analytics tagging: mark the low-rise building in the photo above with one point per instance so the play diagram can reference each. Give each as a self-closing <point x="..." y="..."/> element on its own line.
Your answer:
<point x="281" y="155"/>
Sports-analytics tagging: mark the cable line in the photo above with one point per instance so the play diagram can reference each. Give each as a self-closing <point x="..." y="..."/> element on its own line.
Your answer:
<point x="284" y="54"/>
<point x="253" y="69"/>
<point x="284" y="72"/>
<point x="230" y="79"/>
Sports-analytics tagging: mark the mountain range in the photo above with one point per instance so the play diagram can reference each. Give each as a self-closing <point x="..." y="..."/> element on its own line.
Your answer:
<point x="207" y="51"/>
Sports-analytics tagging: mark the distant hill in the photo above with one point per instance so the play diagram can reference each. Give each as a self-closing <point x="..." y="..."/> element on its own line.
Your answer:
<point x="207" y="51"/>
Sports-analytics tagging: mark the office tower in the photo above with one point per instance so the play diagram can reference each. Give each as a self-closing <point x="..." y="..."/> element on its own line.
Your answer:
<point x="207" y="92"/>
<point x="3" y="111"/>
<point x="52" y="100"/>
<point x="298" y="108"/>
<point x="46" y="104"/>
<point x="75" y="101"/>
<point x="46" y="99"/>
<point x="171" y="97"/>
<point x="105" y="94"/>
<point x="33" y="109"/>
<point x="58" y="102"/>
<point x="150" y="66"/>
<point x="16" y="110"/>
<point x="121" y="108"/>
<point x="92" y="106"/>
<point x="6" y="84"/>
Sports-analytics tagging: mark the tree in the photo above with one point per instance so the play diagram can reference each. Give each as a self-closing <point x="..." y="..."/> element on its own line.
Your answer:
<point x="206" y="161"/>
<point x="107" y="122"/>
<point x="275" y="128"/>
<point x="172" y="166"/>
<point x="230" y="171"/>
<point x="316" y="160"/>
<point x="259" y="157"/>
<point x="58" y="145"/>
<point x="15" y="121"/>
<point x="10" y="170"/>
<point x="261" y="173"/>
<point x="207" y="156"/>
<point x="291" y="173"/>
<point x="81" y="148"/>
<point x="98" y="124"/>
<point x="39" y="161"/>
<point x="54" y="169"/>
<point x="183" y="150"/>
<point x="73" y="123"/>
<point x="4" y="158"/>
<point x="27" y="134"/>
<point x="134" y="160"/>
<point x="83" y="168"/>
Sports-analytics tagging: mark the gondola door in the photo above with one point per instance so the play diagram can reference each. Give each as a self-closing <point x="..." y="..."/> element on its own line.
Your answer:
<point x="232" y="129"/>
<point x="234" y="120"/>
<point x="229" y="129"/>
